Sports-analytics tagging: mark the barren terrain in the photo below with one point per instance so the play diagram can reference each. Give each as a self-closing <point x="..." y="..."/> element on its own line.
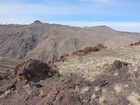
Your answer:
<point x="50" y="64"/>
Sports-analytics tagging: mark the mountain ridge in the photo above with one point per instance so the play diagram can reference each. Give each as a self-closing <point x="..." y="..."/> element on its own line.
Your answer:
<point x="46" y="41"/>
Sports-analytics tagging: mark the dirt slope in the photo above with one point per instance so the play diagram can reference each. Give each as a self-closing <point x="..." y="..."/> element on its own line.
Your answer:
<point x="8" y="63"/>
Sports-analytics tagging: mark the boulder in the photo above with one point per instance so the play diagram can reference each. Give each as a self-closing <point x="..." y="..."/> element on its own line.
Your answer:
<point x="118" y="64"/>
<point x="34" y="70"/>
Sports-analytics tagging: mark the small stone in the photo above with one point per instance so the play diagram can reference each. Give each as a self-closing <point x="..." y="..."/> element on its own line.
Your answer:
<point x="84" y="90"/>
<point x="116" y="74"/>
<point x="118" y="88"/>
<point x="93" y="96"/>
<point x="101" y="100"/>
<point x="97" y="88"/>
<point x="41" y="93"/>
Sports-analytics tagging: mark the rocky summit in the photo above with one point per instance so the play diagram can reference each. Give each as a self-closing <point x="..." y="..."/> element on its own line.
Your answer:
<point x="35" y="83"/>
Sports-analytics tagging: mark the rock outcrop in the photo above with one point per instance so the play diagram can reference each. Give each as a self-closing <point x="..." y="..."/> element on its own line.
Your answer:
<point x="64" y="92"/>
<point x="33" y="70"/>
<point x="88" y="50"/>
<point x="85" y="51"/>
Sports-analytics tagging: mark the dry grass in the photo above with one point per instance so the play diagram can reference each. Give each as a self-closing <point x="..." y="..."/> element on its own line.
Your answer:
<point x="5" y="93"/>
<point x="118" y="88"/>
<point x="93" y="65"/>
<point x="84" y="90"/>
<point x="134" y="99"/>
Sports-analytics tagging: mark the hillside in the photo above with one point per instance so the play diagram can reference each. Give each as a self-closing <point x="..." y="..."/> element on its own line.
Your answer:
<point x="47" y="42"/>
<point x="105" y="77"/>
<point x="94" y="64"/>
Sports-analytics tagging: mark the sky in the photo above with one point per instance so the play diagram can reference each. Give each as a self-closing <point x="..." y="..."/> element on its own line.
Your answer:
<point x="122" y="15"/>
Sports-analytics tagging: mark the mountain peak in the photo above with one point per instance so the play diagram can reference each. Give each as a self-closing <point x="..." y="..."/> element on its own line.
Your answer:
<point x="102" y="26"/>
<point x="37" y="21"/>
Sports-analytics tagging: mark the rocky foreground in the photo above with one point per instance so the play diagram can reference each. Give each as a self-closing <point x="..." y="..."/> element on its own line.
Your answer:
<point x="37" y="83"/>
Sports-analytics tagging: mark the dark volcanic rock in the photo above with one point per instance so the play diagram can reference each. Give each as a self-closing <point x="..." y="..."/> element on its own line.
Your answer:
<point x="91" y="49"/>
<point x="100" y="46"/>
<point x="64" y="92"/>
<point x="118" y="64"/>
<point x="62" y="97"/>
<point x="63" y="58"/>
<point x="88" y="50"/>
<point x="85" y="51"/>
<point x="33" y="70"/>
<point x="52" y="65"/>
<point x="135" y="44"/>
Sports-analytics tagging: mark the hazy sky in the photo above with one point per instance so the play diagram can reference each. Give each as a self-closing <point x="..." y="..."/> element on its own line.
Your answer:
<point x="119" y="14"/>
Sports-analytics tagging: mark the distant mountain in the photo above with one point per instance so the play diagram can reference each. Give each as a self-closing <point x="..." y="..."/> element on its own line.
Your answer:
<point x="46" y="42"/>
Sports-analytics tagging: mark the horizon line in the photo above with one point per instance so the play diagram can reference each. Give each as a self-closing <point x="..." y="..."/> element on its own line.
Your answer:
<point x="119" y="26"/>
